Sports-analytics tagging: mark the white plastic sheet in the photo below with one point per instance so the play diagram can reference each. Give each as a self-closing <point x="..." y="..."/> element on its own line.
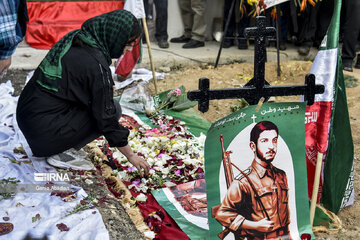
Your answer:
<point x="24" y="206"/>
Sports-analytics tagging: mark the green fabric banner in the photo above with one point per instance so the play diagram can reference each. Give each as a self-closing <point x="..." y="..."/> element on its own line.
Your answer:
<point x="186" y="204"/>
<point x="256" y="177"/>
<point x="338" y="187"/>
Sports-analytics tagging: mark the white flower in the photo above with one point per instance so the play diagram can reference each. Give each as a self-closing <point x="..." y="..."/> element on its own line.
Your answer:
<point x="134" y="186"/>
<point x="164" y="171"/>
<point x="176" y="146"/>
<point x="201" y="139"/>
<point x="144" y="150"/>
<point x="123" y="176"/>
<point x="141" y="197"/>
<point x="150" y="234"/>
<point x="152" y="154"/>
<point x="144" y="180"/>
<point x="151" y="161"/>
<point x="118" y="155"/>
<point x="143" y="188"/>
<point x="88" y="181"/>
<point x="100" y="142"/>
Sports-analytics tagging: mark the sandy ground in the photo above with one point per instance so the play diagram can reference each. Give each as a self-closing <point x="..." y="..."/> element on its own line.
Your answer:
<point x="232" y="76"/>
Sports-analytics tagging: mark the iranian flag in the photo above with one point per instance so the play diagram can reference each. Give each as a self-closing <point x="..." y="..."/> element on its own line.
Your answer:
<point x="327" y="125"/>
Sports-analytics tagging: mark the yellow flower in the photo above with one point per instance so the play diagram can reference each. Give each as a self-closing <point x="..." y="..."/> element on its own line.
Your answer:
<point x="251" y="2"/>
<point x="157" y="151"/>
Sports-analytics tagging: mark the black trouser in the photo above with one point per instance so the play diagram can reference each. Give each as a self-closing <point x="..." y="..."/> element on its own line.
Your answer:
<point x="242" y="24"/>
<point x="351" y="28"/>
<point x="161" y="12"/>
<point x="93" y="134"/>
<point x="308" y="25"/>
<point x="284" y="9"/>
<point x="324" y="16"/>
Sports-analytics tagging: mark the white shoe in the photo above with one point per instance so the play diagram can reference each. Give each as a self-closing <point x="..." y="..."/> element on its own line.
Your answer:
<point x="71" y="159"/>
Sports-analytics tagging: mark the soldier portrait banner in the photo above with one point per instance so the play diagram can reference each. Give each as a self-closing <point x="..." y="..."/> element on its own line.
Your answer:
<point x="255" y="171"/>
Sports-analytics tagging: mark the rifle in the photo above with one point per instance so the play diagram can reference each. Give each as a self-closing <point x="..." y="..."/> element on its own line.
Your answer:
<point x="229" y="177"/>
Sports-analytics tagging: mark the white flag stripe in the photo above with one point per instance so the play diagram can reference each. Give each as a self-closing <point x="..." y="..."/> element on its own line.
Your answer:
<point x="136" y="7"/>
<point x="271" y="3"/>
<point x="324" y="69"/>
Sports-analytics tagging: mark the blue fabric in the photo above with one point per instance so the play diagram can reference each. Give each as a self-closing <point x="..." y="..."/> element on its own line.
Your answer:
<point x="10" y="32"/>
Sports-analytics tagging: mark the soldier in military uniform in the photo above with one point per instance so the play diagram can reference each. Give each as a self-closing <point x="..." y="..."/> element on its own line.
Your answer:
<point x="256" y="203"/>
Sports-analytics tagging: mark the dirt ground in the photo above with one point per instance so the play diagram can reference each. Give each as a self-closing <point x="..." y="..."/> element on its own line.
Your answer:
<point x="232" y="76"/>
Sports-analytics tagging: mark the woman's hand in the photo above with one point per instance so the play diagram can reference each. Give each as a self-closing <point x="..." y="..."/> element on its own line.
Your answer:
<point x="140" y="164"/>
<point x="135" y="160"/>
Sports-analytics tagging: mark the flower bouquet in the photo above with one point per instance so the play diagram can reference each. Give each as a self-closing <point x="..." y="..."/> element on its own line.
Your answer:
<point x="258" y="6"/>
<point x="175" y="100"/>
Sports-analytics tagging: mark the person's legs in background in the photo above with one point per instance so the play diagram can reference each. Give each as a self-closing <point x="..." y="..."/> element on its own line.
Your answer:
<point x="284" y="20"/>
<point x="243" y="23"/>
<point x="351" y="29"/>
<point x="161" y="34"/>
<point x="148" y="15"/>
<point x="229" y="35"/>
<point x="187" y="19"/>
<point x="323" y="17"/>
<point x="357" y="64"/>
<point x="308" y="27"/>
<point x="197" y="9"/>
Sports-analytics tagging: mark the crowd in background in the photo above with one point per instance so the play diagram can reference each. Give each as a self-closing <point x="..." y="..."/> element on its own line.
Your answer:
<point x="305" y="28"/>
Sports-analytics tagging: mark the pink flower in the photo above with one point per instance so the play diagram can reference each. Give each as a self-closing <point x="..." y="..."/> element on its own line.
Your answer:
<point x="176" y="91"/>
<point x="177" y="172"/>
<point x="136" y="182"/>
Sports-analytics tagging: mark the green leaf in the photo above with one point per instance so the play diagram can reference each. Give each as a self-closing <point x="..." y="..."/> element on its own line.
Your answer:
<point x="183" y="103"/>
<point x="14" y="161"/>
<point x="27" y="162"/>
<point x="172" y="98"/>
<point x="182" y="88"/>
<point x="37" y="217"/>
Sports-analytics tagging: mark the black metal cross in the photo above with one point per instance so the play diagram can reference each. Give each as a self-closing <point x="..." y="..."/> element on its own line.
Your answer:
<point x="257" y="87"/>
<point x="259" y="33"/>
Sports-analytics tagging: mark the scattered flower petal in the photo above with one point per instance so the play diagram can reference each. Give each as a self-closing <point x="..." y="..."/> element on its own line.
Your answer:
<point x="62" y="227"/>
